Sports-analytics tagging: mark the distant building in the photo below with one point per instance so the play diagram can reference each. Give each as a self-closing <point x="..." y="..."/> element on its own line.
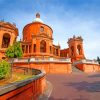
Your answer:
<point x="8" y="34"/>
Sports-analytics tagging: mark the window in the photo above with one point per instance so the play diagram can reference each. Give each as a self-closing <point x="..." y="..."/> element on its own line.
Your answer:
<point x="34" y="47"/>
<point x="43" y="46"/>
<point x="29" y="48"/>
<point x="41" y="29"/>
<point x="6" y="40"/>
<point x="78" y="49"/>
<point x="50" y="49"/>
<point x="56" y="52"/>
<point x="23" y="48"/>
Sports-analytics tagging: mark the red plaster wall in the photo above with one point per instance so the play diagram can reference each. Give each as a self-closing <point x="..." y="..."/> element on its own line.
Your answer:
<point x="88" y="67"/>
<point x="49" y="67"/>
<point x="91" y="67"/>
<point x="64" y="53"/>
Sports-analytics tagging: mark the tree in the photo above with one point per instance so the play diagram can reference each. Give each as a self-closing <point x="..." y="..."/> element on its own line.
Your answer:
<point x="98" y="59"/>
<point x="4" y="69"/>
<point x="14" y="51"/>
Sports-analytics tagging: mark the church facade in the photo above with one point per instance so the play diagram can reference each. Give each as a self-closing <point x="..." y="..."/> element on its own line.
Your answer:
<point x="38" y="42"/>
<point x="39" y="51"/>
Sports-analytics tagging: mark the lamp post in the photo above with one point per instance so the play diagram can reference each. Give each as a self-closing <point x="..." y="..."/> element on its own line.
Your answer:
<point x="29" y="69"/>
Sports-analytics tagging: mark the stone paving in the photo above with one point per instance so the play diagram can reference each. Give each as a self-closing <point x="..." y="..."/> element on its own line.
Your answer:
<point x="75" y="86"/>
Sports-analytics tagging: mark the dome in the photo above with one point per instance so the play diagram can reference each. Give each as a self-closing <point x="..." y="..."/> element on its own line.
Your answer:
<point x="37" y="19"/>
<point x="35" y="28"/>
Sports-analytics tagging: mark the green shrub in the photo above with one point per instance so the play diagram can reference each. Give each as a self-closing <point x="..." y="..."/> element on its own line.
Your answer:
<point x="4" y="69"/>
<point x="14" y="51"/>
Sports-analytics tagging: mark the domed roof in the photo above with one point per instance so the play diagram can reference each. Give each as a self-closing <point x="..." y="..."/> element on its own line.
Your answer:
<point x="37" y="19"/>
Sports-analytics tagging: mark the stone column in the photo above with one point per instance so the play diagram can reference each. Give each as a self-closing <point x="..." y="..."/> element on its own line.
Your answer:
<point x="25" y="48"/>
<point x="59" y="52"/>
<point x="12" y="37"/>
<point x="47" y="47"/>
<point x="1" y="36"/>
<point x="28" y="49"/>
<point x="37" y="46"/>
<point x="32" y="45"/>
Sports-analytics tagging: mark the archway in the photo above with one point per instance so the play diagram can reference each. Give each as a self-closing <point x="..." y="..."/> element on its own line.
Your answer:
<point x="5" y="40"/>
<point x="43" y="46"/>
<point x="78" y="49"/>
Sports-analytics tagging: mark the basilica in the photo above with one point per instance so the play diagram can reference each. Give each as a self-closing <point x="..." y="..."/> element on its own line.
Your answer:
<point x="37" y="43"/>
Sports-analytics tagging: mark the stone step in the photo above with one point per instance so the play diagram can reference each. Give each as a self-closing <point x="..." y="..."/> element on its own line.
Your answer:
<point x="75" y="69"/>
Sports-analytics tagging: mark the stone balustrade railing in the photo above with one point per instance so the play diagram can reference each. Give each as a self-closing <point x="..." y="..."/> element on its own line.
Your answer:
<point x="86" y="61"/>
<point x="39" y="60"/>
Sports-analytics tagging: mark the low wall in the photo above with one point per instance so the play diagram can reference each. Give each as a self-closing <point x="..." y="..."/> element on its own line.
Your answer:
<point x="88" y="67"/>
<point x="91" y="68"/>
<point x="48" y="67"/>
<point x="28" y="89"/>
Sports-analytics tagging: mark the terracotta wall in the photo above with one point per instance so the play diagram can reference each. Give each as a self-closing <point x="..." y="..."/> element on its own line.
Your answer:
<point x="48" y="67"/>
<point x="80" y="66"/>
<point x="30" y="91"/>
<point x="88" y="67"/>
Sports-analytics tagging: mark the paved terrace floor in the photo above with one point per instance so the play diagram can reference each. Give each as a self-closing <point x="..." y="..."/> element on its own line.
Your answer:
<point x="75" y="86"/>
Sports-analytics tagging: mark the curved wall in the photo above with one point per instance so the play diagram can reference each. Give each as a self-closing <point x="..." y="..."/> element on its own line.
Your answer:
<point x="29" y="89"/>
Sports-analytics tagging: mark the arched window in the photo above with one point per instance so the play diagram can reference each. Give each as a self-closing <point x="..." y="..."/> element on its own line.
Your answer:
<point x="5" y="40"/>
<point x="78" y="49"/>
<point x="56" y="52"/>
<point x="34" y="50"/>
<point x="72" y="50"/>
<point x="50" y="49"/>
<point x="41" y="29"/>
<point x="42" y="46"/>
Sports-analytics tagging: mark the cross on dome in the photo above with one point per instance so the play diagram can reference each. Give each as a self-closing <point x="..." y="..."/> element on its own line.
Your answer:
<point x="37" y="15"/>
<point x="37" y="19"/>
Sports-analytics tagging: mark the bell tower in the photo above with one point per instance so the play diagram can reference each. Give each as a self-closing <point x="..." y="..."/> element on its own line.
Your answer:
<point x="76" y="51"/>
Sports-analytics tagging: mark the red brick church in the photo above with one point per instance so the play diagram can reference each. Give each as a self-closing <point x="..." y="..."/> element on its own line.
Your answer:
<point x="37" y="43"/>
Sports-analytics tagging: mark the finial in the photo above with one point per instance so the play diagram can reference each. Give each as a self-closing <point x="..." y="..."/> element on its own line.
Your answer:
<point x="37" y="15"/>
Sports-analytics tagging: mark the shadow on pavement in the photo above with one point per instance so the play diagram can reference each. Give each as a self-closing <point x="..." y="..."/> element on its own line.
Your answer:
<point x="93" y="76"/>
<point x="90" y="87"/>
<point x="80" y="98"/>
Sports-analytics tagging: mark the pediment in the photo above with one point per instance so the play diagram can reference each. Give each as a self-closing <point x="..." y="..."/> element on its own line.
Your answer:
<point x="7" y="24"/>
<point x="43" y="34"/>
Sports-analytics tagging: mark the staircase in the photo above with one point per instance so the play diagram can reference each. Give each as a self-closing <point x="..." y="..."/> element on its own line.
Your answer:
<point x="76" y="70"/>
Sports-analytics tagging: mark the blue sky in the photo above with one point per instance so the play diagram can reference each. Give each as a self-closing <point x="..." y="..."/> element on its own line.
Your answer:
<point x="66" y="17"/>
